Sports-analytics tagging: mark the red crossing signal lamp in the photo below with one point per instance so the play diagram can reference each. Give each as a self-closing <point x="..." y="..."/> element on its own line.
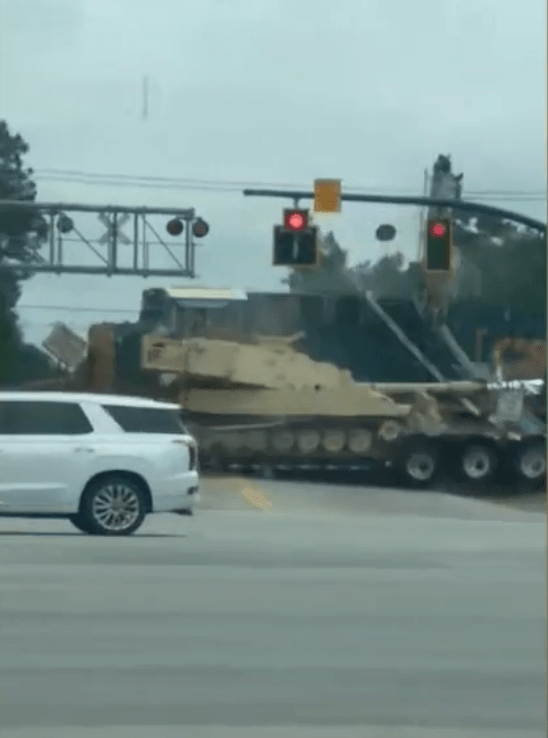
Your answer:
<point x="200" y="228"/>
<point x="175" y="227"/>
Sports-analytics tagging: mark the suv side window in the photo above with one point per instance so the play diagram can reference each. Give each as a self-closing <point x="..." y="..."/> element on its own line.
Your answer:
<point x="22" y="417"/>
<point x="146" y="419"/>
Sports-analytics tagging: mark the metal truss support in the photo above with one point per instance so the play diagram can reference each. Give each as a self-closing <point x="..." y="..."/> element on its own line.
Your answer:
<point x="46" y="252"/>
<point x="417" y="353"/>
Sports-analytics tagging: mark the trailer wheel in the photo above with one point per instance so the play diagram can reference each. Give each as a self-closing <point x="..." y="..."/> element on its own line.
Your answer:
<point x="478" y="463"/>
<point x="418" y="464"/>
<point x="530" y="463"/>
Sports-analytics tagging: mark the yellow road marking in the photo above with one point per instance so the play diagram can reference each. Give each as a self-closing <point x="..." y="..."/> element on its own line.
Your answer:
<point x="252" y="493"/>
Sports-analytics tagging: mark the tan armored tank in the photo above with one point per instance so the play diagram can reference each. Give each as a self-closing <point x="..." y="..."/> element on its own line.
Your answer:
<point x="267" y="400"/>
<point x="265" y="404"/>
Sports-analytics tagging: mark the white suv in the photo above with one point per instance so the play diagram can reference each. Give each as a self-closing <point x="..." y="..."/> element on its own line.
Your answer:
<point x="102" y="461"/>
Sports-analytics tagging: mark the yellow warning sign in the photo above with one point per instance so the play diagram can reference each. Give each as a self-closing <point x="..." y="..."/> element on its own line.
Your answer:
<point x="327" y="195"/>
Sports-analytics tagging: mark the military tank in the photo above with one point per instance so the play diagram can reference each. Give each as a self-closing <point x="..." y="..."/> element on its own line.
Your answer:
<point x="266" y="405"/>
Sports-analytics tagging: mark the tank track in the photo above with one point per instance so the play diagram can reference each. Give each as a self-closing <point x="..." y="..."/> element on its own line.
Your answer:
<point x="264" y="446"/>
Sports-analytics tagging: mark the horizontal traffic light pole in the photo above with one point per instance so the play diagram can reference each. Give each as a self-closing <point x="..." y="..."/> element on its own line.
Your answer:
<point x="462" y="205"/>
<point x="185" y="213"/>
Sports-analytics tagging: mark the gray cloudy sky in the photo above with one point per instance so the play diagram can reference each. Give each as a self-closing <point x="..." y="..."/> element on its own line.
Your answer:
<point x="370" y="91"/>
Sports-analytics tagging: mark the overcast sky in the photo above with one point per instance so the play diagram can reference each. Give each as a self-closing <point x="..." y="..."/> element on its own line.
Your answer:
<point x="370" y="91"/>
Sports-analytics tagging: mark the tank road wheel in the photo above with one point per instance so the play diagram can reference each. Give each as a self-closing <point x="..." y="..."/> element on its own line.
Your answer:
<point x="418" y="464"/>
<point x="478" y="463"/>
<point x="283" y="441"/>
<point x="256" y="440"/>
<point x="360" y="441"/>
<point x="334" y="441"/>
<point x="390" y="430"/>
<point x="530" y="463"/>
<point x="308" y="441"/>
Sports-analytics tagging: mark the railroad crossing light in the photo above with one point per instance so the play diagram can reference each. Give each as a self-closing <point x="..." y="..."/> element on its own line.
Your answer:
<point x="64" y="224"/>
<point x="175" y="227"/>
<point x="327" y="195"/>
<point x="200" y="228"/>
<point x="385" y="232"/>
<point x="439" y="245"/>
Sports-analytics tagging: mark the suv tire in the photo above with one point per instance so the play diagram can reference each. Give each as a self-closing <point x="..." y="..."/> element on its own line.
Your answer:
<point x="79" y="522"/>
<point x="112" y="505"/>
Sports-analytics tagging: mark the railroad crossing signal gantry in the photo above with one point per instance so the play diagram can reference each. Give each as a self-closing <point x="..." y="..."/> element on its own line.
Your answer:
<point x="58" y="229"/>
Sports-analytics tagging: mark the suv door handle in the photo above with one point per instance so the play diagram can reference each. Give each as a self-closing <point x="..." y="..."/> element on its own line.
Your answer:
<point x="82" y="449"/>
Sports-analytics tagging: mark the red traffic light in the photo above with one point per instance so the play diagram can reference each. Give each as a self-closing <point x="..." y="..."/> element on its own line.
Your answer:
<point x="439" y="245"/>
<point x="175" y="227"/>
<point x="438" y="230"/>
<point x="296" y="220"/>
<point x="200" y="228"/>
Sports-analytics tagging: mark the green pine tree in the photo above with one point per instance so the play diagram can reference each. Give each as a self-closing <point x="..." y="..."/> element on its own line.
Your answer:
<point x="511" y="261"/>
<point x="21" y="232"/>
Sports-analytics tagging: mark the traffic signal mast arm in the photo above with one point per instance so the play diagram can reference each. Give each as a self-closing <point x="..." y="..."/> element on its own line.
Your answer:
<point x="458" y="205"/>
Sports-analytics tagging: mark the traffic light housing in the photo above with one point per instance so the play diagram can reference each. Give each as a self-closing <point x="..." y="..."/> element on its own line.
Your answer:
<point x="200" y="228"/>
<point x="175" y="227"/>
<point x="296" y="241"/>
<point x="64" y="224"/>
<point x="439" y="245"/>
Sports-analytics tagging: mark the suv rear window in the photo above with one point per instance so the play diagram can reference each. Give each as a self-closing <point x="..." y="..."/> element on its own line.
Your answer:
<point x="27" y="417"/>
<point x="146" y="419"/>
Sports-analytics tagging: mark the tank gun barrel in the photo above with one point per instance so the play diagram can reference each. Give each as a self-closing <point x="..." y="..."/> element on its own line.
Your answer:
<point x="532" y="386"/>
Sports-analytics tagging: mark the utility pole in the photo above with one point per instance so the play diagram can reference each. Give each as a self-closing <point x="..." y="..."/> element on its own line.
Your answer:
<point x="444" y="186"/>
<point x="422" y="218"/>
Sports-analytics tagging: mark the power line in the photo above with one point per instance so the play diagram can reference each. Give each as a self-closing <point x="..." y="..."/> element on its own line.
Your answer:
<point x="125" y="180"/>
<point x="77" y="309"/>
<point x="244" y="183"/>
<point x="85" y="324"/>
<point x="237" y="188"/>
<point x="130" y="178"/>
<point x="136" y="184"/>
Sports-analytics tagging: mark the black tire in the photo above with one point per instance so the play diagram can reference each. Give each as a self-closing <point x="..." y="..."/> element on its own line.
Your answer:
<point x="80" y="523"/>
<point x="477" y="464"/>
<point x="418" y="464"/>
<point x="98" y="508"/>
<point x="530" y="464"/>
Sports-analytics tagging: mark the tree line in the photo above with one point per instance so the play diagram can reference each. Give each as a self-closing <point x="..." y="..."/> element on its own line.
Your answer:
<point x="21" y="234"/>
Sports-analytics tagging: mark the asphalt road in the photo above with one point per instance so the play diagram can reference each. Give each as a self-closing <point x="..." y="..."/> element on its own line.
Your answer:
<point x="280" y="609"/>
